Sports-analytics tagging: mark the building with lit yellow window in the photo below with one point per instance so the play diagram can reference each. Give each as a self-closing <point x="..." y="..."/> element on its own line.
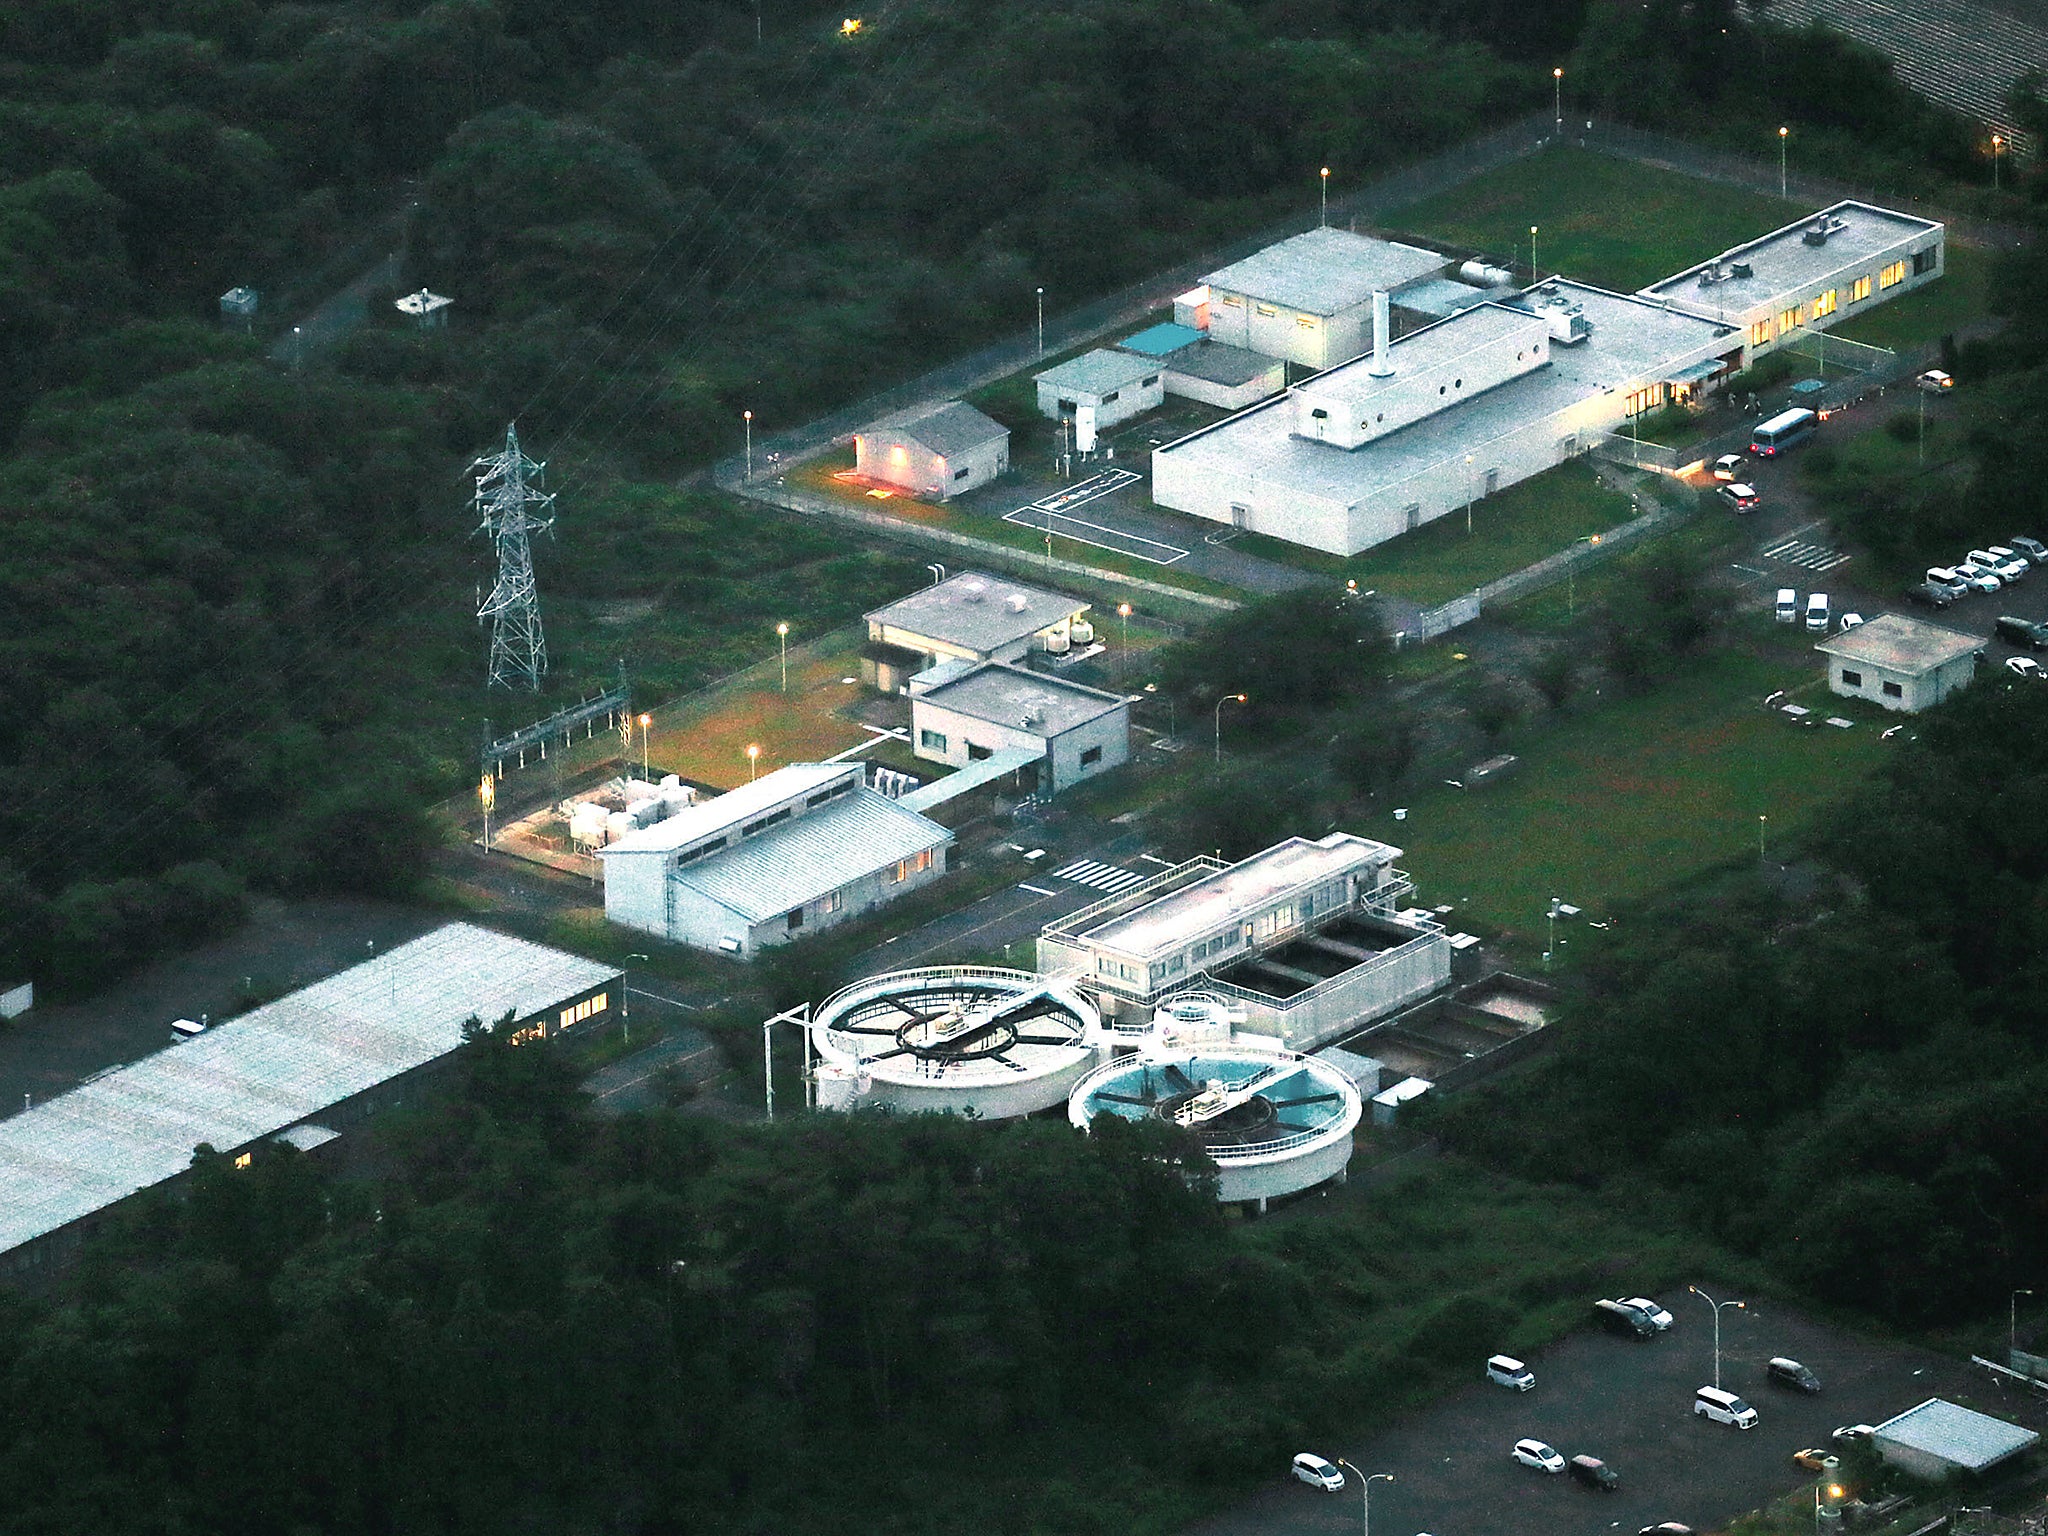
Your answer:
<point x="939" y="451"/>
<point x="1829" y="267"/>
<point x="300" y="1073"/>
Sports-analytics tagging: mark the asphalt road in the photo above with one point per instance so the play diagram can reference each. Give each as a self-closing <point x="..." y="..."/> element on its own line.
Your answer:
<point x="1631" y="1405"/>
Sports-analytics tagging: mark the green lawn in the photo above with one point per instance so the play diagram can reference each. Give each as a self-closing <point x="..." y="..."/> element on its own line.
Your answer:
<point x="1635" y="795"/>
<point x="1958" y="298"/>
<point x="1512" y="529"/>
<point x="1606" y="221"/>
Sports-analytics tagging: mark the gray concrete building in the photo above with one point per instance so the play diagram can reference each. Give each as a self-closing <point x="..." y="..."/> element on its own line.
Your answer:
<point x="962" y="713"/>
<point x="1937" y="1438"/>
<point x="1308" y="299"/>
<point x="937" y="451"/>
<point x="803" y="848"/>
<point x="968" y="617"/>
<point x="1107" y="385"/>
<point x="1309" y="939"/>
<point x="1900" y="663"/>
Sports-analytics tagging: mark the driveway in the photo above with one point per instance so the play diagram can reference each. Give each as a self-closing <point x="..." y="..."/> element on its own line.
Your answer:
<point x="1631" y="1405"/>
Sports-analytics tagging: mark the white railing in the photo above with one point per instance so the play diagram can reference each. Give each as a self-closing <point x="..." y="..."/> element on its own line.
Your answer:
<point x="1134" y="896"/>
<point x="1330" y="985"/>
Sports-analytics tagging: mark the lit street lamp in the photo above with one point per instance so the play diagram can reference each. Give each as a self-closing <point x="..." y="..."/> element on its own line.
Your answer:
<point x="645" y="721"/>
<point x="1763" y="824"/>
<point x="1533" y="274"/>
<point x="753" y="757"/>
<point x="1834" y="1491"/>
<point x="1550" y="947"/>
<point x="1717" y="1306"/>
<point x="1228" y="698"/>
<point x="1997" y="143"/>
<point x="782" y="634"/>
<point x="1123" y="611"/>
<point x="1557" y="98"/>
<point x="1041" y="322"/>
<point x="487" y="793"/>
<point x="1782" y="132"/>
<point x="1365" y="1493"/>
<point x="1326" y="195"/>
<point x="748" y="417"/>
<point x="2012" y="1302"/>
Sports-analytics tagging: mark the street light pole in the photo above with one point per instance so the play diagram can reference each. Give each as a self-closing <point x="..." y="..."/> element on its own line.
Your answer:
<point x="1717" y="1306"/>
<point x="1557" y="98"/>
<point x="1365" y="1493"/>
<point x="1326" y="196"/>
<point x="1762" y="825"/>
<point x="753" y="757"/>
<point x="1228" y="698"/>
<point x="1782" y="132"/>
<point x="1041" y="322"/>
<point x="782" y="634"/>
<point x="1997" y="141"/>
<point x="487" y="792"/>
<point x="1123" y="611"/>
<point x="2012" y="1302"/>
<point x="1550" y="947"/>
<point x="748" y="417"/>
<point x="1533" y="274"/>
<point x="645" y="721"/>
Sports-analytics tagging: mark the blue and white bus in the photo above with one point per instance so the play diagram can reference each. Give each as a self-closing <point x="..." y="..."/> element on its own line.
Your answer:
<point x="1781" y="432"/>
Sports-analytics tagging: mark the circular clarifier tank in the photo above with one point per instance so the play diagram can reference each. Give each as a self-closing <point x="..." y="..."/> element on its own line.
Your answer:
<point x="1273" y="1122"/>
<point x="960" y="1039"/>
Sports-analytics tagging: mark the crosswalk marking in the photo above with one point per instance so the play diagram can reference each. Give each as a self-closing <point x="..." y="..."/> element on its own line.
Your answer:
<point x="1807" y="556"/>
<point x="1111" y="878"/>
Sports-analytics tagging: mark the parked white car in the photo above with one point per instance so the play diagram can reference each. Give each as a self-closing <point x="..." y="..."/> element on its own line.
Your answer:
<point x="1649" y="1309"/>
<point x="1935" y="382"/>
<point x="1534" y="1453"/>
<point x="1318" y="1473"/>
<point x="1847" y="622"/>
<point x="1730" y="466"/>
<point x="1976" y="578"/>
<point x="2006" y="570"/>
<point x="2023" y="666"/>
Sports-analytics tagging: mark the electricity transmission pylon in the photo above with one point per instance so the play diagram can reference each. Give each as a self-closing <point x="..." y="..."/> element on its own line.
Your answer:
<point x="513" y="507"/>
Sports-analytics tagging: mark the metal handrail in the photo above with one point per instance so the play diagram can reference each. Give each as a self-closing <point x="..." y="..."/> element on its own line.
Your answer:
<point x="1063" y="927"/>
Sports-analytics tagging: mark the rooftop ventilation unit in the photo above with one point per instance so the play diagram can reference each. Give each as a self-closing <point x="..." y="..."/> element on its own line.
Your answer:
<point x="1568" y="324"/>
<point x="974" y="591"/>
<point x="1742" y="269"/>
<point x="1822" y="228"/>
<point x="1713" y="272"/>
<point x="1016" y="602"/>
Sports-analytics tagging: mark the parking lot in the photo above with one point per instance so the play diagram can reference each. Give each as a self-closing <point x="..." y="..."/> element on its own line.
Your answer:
<point x="1630" y="1404"/>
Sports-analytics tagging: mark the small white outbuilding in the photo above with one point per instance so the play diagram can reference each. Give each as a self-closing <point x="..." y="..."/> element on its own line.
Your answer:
<point x="941" y="450"/>
<point x="1111" y="386"/>
<point x="1900" y="663"/>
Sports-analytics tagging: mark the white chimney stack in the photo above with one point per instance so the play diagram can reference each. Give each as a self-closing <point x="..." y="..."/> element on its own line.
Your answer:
<point x="1382" y="322"/>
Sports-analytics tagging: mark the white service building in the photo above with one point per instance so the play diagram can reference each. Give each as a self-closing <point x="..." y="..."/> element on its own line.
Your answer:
<point x="962" y="713"/>
<point x="1829" y="267"/>
<point x="1308" y="938"/>
<point x="1109" y="386"/>
<point x="799" y="849"/>
<point x="1900" y="663"/>
<point x="1426" y="426"/>
<point x="1938" y="1438"/>
<point x="968" y="617"/>
<point x="940" y="451"/>
<point x="1309" y="298"/>
<point x="301" y="1070"/>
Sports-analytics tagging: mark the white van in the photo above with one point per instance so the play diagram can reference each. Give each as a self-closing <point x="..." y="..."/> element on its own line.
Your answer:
<point x="1507" y="1371"/>
<point x="1788" y="606"/>
<point x="1817" y="614"/>
<point x="1723" y="1408"/>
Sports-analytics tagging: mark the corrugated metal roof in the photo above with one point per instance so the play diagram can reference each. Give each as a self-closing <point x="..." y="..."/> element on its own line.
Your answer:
<point x="1325" y="271"/>
<point x="721" y="813"/>
<point x="1158" y="340"/>
<point x="795" y="862"/>
<point x="254" y="1076"/>
<point x="948" y="428"/>
<point x="1958" y="1435"/>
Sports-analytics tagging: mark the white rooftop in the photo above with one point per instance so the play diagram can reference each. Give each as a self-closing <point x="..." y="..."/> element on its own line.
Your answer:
<point x="1901" y="644"/>
<point x="1098" y="372"/>
<point x="1326" y="271"/>
<point x="1006" y="695"/>
<point x="1958" y="1435"/>
<point x="794" y="862"/>
<point x="977" y="612"/>
<point x="1169" y="923"/>
<point x="1631" y="339"/>
<point x="1783" y="263"/>
<point x="269" y="1069"/>
<point x="721" y="813"/>
<point x="1431" y="347"/>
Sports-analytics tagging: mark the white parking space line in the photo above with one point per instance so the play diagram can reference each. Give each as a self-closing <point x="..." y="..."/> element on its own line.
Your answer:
<point x="1035" y="890"/>
<point x="1083" y="492"/>
<point x="1805" y="555"/>
<point x="1137" y="546"/>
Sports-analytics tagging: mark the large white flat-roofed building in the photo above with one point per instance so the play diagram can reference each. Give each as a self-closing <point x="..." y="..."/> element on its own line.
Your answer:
<point x="1828" y="267"/>
<point x="1308" y="938"/>
<point x="798" y="849"/>
<point x="1108" y="385"/>
<point x="1450" y="414"/>
<point x="968" y="617"/>
<point x="939" y="450"/>
<point x="1939" y="1437"/>
<point x="978" y="711"/>
<point x="1900" y="663"/>
<point x="1308" y="299"/>
<point x="335" y="1052"/>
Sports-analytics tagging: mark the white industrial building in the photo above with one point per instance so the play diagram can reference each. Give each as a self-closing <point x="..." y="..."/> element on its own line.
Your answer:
<point x="968" y="617"/>
<point x="1309" y="939"/>
<point x="962" y="713"/>
<point x="1900" y="663"/>
<point x="1308" y="299"/>
<point x="941" y="451"/>
<point x="1101" y="388"/>
<point x="1829" y="267"/>
<point x="300" y="1070"/>
<point x="1938" y="1438"/>
<point x="1425" y="426"/>
<point x="802" y="848"/>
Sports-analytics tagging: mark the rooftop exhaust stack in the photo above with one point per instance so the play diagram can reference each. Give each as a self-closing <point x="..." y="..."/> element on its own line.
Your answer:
<point x="1382" y="322"/>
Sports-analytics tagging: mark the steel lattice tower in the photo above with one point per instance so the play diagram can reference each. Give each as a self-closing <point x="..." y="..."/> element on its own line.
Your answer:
<point x="513" y="507"/>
